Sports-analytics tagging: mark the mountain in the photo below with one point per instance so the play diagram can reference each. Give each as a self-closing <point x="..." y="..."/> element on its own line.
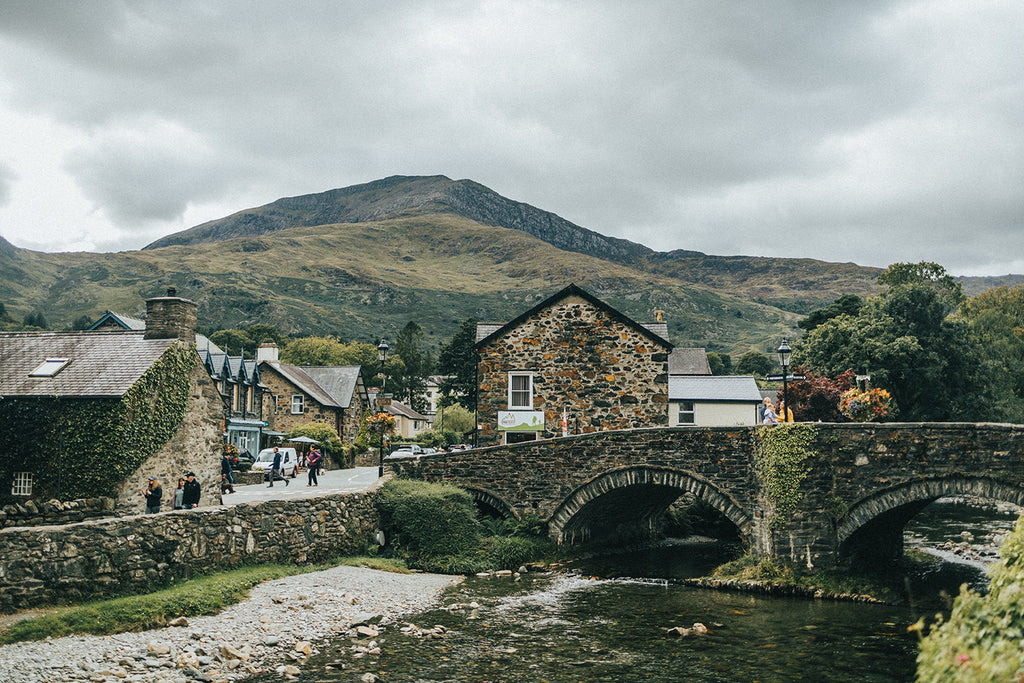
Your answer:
<point x="360" y="262"/>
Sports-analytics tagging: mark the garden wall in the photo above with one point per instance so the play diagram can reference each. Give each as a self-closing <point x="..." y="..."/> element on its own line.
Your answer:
<point x="95" y="558"/>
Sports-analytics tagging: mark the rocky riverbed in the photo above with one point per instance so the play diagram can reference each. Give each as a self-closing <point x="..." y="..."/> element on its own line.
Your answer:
<point x="281" y="624"/>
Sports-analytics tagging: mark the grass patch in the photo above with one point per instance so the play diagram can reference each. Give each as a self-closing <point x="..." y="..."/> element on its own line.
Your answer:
<point x="199" y="596"/>
<point x="385" y="564"/>
<point x="749" y="568"/>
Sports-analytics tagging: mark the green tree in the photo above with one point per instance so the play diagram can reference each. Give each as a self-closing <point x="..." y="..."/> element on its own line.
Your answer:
<point x="754" y="363"/>
<point x="82" y="322"/>
<point x="927" y="274"/>
<point x="905" y="339"/>
<point x="260" y="333"/>
<point x="330" y="443"/>
<point x="234" y="342"/>
<point x="411" y="385"/>
<point x="995" y="319"/>
<point x="36" y="319"/>
<point x="4" y="317"/>
<point x="455" y="418"/>
<point x="315" y="351"/>
<point x="847" y="304"/>
<point x="721" y="363"/>
<point x="457" y="360"/>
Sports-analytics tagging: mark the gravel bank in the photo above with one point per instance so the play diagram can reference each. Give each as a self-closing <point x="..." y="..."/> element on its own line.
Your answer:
<point x="274" y="630"/>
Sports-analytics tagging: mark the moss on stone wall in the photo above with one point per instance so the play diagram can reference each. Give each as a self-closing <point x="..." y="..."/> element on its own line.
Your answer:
<point x="83" y="447"/>
<point x="781" y="460"/>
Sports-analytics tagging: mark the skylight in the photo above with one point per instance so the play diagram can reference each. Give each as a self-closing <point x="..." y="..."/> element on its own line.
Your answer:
<point x="50" y="367"/>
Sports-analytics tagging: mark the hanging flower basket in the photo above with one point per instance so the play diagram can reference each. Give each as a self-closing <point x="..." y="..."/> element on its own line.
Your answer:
<point x="865" y="406"/>
<point x="381" y="423"/>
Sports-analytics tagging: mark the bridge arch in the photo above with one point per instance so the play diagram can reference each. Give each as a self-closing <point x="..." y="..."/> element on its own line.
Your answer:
<point x="923" y="491"/>
<point x="647" y="491"/>
<point x="492" y="503"/>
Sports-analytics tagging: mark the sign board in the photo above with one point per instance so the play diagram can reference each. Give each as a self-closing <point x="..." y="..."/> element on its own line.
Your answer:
<point x="789" y="378"/>
<point x="520" y="420"/>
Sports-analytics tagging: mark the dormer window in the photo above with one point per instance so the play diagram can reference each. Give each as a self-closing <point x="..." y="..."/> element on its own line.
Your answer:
<point x="50" y="367"/>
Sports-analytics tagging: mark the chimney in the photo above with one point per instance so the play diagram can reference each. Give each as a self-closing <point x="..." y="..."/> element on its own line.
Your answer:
<point x="171" y="317"/>
<point x="267" y="352"/>
<point x="660" y="315"/>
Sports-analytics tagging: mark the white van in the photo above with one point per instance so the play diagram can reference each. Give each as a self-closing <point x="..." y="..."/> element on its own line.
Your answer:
<point x="289" y="461"/>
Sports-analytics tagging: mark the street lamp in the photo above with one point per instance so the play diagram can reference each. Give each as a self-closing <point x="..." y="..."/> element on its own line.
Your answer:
<point x="785" y="353"/>
<point x="382" y="355"/>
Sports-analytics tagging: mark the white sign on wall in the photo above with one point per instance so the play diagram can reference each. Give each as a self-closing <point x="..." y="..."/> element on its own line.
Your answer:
<point x="520" y="420"/>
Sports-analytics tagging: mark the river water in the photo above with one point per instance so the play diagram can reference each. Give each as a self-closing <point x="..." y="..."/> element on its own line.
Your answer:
<point x="609" y="622"/>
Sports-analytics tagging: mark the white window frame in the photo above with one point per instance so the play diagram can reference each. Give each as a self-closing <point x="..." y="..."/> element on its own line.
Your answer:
<point x="298" y="400"/>
<point x="687" y="408"/>
<point x="49" y="367"/>
<point x="528" y="391"/>
<point x="22" y="484"/>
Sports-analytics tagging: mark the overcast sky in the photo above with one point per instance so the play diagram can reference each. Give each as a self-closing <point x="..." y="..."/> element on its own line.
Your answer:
<point x="871" y="132"/>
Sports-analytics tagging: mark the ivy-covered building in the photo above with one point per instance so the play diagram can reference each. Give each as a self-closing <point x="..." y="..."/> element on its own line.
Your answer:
<point x="96" y="413"/>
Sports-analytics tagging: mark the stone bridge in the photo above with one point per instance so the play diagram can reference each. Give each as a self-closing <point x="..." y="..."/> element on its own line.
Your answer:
<point x="863" y="481"/>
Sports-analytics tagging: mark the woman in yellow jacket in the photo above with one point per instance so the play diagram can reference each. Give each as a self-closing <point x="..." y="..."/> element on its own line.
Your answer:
<point x="784" y="413"/>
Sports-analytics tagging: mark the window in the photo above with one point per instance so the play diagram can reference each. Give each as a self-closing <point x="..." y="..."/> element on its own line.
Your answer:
<point x="243" y="442"/>
<point x="686" y="413"/>
<point x="49" y="367"/>
<point x="297" y="404"/>
<point x="22" y="484"/>
<point x="520" y="390"/>
<point x="520" y="437"/>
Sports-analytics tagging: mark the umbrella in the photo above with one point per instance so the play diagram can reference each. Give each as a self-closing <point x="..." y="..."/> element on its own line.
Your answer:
<point x="303" y="439"/>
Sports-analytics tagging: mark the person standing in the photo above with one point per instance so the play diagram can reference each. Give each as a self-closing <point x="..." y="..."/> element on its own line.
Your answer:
<point x="313" y="461"/>
<point x="784" y="414"/>
<point x="769" y="417"/>
<point x="275" y="469"/>
<point x="191" y="493"/>
<point x="153" y="494"/>
<point x="179" y="495"/>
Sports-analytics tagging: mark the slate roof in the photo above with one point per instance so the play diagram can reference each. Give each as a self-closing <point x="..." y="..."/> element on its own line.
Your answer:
<point x="103" y="363"/>
<point x="125" y="322"/>
<point x="399" y="408"/>
<point x="332" y="386"/>
<point x="657" y="331"/>
<point x="692" y="361"/>
<point x="720" y="388"/>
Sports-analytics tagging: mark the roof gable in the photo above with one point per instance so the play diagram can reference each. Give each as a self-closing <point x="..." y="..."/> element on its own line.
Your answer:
<point x="113" y="320"/>
<point x="331" y="386"/>
<point x="492" y="331"/>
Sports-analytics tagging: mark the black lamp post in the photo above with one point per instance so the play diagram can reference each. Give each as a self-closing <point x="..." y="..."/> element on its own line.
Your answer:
<point x="382" y="355"/>
<point x="785" y="353"/>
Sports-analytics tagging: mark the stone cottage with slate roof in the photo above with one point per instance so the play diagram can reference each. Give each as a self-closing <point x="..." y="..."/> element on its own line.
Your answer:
<point x="296" y="395"/>
<point x="242" y="392"/>
<point x="572" y="355"/>
<point x="85" y="414"/>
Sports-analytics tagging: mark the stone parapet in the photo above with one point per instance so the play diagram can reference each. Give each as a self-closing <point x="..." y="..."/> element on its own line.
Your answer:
<point x="55" y="512"/>
<point x="92" y="559"/>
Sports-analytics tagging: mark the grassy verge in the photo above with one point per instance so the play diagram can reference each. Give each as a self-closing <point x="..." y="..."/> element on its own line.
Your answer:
<point x="207" y="594"/>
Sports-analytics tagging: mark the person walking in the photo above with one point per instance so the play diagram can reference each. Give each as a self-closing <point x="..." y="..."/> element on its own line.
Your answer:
<point x="313" y="462"/>
<point x="191" y="491"/>
<point x="179" y="495"/>
<point x="225" y="470"/>
<point x="153" y="494"/>
<point x="275" y="469"/>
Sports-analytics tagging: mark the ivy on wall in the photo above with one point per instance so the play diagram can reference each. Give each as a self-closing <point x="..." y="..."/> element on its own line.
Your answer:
<point x="781" y="460"/>
<point x="80" y="447"/>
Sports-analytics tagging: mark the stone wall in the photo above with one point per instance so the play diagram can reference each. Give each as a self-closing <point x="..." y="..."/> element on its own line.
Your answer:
<point x="195" y="447"/>
<point x="45" y="565"/>
<point x="51" y="512"/>
<point x="596" y="366"/>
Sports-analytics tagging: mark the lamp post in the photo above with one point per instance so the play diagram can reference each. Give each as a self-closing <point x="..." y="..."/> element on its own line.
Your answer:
<point x="785" y="353"/>
<point x="382" y="355"/>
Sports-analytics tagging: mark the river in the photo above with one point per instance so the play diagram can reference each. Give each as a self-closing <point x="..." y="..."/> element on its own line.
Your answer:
<point x="609" y="622"/>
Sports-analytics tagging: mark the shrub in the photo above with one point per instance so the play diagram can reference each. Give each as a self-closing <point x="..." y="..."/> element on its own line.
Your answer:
<point x="510" y="552"/>
<point x="427" y="521"/>
<point x="865" y="406"/>
<point x="984" y="637"/>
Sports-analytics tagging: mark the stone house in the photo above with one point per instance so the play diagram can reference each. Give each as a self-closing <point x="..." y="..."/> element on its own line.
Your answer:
<point x="408" y="422"/>
<point x="242" y="393"/>
<point x="295" y="395"/>
<point x="95" y="413"/>
<point x="575" y="357"/>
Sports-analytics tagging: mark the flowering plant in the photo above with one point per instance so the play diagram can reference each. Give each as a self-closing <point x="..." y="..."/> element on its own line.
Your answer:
<point x="865" y="406"/>
<point x="381" y="423"/>
<point x="230" y="450"/>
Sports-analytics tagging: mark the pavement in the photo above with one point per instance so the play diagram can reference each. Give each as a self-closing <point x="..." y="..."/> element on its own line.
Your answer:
<point x="331" y="482"/>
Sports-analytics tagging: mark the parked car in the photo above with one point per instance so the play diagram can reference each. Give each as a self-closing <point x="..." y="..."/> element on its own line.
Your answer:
<point x="414" y="447"/>
<point x="395" y="455"/>
<point x="289" y="461"/>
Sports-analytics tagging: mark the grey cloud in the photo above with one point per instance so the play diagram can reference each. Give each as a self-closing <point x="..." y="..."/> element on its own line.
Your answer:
<point x="7" y="180"/>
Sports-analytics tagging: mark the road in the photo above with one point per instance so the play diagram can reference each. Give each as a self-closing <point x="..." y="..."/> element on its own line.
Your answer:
<point x="332" y="481"/>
